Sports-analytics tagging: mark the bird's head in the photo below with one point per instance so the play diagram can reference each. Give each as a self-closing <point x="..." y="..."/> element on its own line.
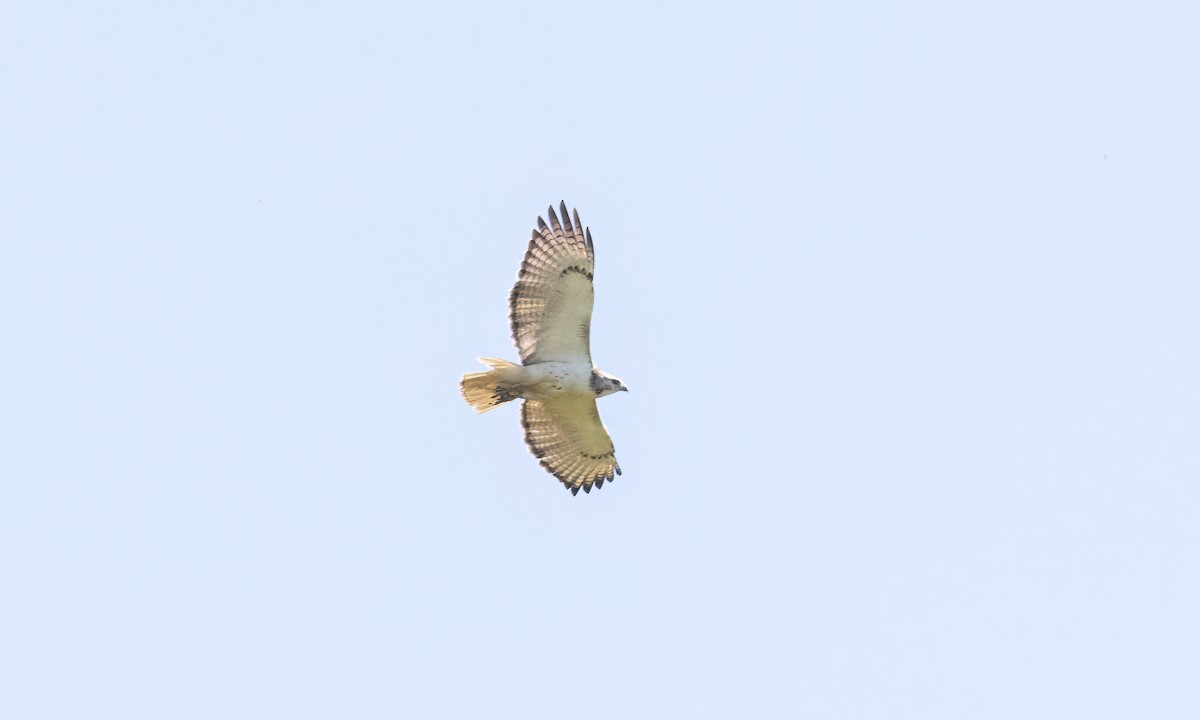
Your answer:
<point x="605" y="384"/>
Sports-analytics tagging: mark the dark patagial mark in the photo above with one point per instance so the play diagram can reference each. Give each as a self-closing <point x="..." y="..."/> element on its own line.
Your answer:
<point x="576" y="269"/>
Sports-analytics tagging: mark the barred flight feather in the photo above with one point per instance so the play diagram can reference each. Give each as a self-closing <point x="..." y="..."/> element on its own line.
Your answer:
<point x="568" y="439"/>
<point x="553" y="296"/>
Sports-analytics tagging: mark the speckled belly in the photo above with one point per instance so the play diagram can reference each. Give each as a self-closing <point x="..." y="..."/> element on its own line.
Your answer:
<point x="554" y="379"/>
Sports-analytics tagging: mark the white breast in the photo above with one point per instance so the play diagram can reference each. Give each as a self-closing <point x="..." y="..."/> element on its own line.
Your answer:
<point x="555" y="379"/>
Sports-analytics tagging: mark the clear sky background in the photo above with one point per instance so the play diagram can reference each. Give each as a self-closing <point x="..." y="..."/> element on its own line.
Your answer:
<point x="906" y="295"/>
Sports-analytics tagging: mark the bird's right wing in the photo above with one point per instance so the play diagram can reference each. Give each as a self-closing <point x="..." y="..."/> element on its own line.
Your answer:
<point x="569" y="440"/>
<point x="550" y="307"/>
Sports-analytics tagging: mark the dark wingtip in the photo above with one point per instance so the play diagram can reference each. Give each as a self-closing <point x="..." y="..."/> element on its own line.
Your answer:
<point x="574" y="490"/>
<point x="617" y="468"/>
<point x="588" y="488"/>
<point x="566" y="219"/>
<point x="599" y="483"/>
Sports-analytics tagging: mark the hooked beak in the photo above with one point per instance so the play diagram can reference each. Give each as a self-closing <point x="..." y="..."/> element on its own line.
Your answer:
<point x="624" y="389"/>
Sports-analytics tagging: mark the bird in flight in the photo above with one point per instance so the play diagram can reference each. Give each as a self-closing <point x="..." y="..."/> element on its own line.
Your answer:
<point x="550" y="311"/>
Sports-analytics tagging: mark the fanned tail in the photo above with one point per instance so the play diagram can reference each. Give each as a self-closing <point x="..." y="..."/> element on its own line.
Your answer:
<point x="487" y="390"/>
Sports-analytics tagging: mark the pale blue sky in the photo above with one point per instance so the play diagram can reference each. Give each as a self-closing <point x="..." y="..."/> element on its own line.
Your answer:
<point x="905" y="293"/>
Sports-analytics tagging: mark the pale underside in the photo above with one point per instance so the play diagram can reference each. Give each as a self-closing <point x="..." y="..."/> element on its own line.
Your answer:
<point x="550" y="310"/>
<point x="567" y="437"/>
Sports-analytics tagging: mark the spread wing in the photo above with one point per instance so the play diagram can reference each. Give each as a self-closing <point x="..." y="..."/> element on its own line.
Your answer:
<point x="569" y="440"/>
<point x="550" y="307"/>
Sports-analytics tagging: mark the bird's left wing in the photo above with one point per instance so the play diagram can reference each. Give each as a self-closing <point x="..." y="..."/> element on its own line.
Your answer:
<point x="550" y="307"/>
<point x="569" y="440"/>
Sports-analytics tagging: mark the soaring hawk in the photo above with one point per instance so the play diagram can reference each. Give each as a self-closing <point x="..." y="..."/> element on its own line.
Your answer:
<point x="550" y="310"/>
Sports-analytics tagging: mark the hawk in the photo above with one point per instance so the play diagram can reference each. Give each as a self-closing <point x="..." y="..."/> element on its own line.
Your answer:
<point x="550" y="311"/>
